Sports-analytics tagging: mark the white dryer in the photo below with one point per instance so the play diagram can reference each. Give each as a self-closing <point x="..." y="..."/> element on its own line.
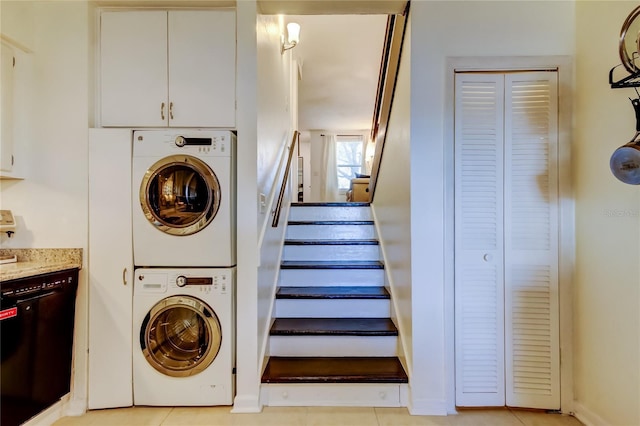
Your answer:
<point x="183" y="351"/>
<point x="184" y="198"/>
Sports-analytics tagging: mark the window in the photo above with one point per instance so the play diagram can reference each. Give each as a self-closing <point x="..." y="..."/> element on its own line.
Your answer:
<point x="349" y="151"/>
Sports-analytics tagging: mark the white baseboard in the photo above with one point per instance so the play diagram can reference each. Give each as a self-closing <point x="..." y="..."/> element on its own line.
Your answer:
<point x="428" y="407"/>
<point x="76" y="407"/>
<point x="246" y="404"/>
<point x="586" y="416"/>
<point x="50" y="415"/>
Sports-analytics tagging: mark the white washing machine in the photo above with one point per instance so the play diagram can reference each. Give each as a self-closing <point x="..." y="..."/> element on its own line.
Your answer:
<point x="184" y="198"/>
<point x="183" y="349"/>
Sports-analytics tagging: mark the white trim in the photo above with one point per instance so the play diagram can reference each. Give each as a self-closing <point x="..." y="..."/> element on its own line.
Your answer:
<point x="76" y="407"/>
<point x="405" y="356"/>
<point x="566" y="214"/>
<point x="246" y="404"/>
<point x="265" y="346"/>
<point x="51" y="415"/>
<point x="15" y="44"/>
<point x="586" y="416"/>
<point x="428" y="407"/>
<point x="448" y="246"/>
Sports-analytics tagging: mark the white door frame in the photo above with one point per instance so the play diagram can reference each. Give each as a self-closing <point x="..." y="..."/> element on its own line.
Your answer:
<point x="564" y="66"/>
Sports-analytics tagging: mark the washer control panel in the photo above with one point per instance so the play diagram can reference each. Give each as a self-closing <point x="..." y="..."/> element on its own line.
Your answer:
<point x="203" y="281"/>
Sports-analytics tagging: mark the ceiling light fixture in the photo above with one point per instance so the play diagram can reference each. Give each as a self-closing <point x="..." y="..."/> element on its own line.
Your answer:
<point x="293" y="33"/>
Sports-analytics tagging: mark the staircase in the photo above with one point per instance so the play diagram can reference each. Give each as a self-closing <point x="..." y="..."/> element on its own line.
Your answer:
<point x="332" y="341"/>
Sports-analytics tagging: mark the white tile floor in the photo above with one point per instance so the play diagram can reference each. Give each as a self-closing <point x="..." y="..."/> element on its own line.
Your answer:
<point x="311" y="416"/>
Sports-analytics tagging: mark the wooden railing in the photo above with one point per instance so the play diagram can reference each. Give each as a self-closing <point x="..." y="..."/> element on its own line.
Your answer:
<point x="386" y="87"/>
<point x="283" y="186"/>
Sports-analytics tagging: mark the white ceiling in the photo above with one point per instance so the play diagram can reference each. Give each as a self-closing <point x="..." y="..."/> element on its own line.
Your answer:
<point x="340" y="59"/>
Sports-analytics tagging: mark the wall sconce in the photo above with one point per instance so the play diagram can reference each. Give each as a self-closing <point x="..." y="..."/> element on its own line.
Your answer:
<point x="293" y="33"/>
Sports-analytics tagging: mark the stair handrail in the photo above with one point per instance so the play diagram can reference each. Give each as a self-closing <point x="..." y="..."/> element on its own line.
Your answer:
<point x="278" y="209"/>
<point x="394" y="37"/>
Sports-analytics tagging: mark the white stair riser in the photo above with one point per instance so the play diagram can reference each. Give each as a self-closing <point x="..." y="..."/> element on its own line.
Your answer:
<point x="331" y="277"/>
<point x="333" y="346"/>
<point x="331" y="252"/>
<point x="332" y="308"/>
<point x="333" y="395"/>
<point x="331" y="232"/>
<point x="329" y="213"/>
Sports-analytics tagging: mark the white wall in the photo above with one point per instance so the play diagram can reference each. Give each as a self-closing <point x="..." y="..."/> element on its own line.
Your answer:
<point x="391" y="206"/>
<point x="451" y="29"/>
<point x="17" y="22"/>
<point x="274" y="135"/>
<point x="50" y="204"/>
<point x="607" y="277"/>
<point x="273" y="100"/>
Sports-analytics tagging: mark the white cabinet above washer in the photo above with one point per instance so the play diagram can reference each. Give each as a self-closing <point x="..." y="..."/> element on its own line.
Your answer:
<point x="168" y="68"/>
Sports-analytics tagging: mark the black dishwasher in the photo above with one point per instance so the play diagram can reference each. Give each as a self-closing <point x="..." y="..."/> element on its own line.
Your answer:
<point x="36" y="332"/>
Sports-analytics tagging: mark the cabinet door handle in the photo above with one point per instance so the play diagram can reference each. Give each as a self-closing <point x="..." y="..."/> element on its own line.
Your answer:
<point x="170" y="110"/>
<point x="124" y="276"/>
<point x="162" y="111"/>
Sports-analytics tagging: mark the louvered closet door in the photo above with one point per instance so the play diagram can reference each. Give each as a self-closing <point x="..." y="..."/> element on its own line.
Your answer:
<point x="479" y="292"/>
<point x="531" y="240"/>
<point x="506" y="238"/>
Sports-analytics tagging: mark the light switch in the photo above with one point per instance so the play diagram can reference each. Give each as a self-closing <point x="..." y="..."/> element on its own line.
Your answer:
<point x="263" y="203"/>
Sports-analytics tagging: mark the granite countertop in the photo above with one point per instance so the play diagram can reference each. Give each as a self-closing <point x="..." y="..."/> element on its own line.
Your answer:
<point x="32" y="262"/>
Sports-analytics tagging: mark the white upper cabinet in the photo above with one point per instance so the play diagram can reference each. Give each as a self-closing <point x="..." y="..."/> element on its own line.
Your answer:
<point x="133" y="68"/>
<point x="6" y="121"/>
<point x="168" y="68"/>
<point x="202" y="68"/>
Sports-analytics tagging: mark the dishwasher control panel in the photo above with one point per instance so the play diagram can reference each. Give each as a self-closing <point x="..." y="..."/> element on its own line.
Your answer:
<point x="37" y="284"/>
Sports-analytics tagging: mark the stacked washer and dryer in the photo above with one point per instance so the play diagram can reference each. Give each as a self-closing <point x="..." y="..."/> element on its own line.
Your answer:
<point x="184" y="255"/>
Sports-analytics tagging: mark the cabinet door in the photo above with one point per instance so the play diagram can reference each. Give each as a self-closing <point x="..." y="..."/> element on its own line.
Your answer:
<point x="133" y="68"/>
<point x="110" y="269"/>
<point x="6" y="95"/>
<point x="202" y="68"/>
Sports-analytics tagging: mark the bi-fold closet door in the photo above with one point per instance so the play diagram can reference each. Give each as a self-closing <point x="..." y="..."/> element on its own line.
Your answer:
<point x="506" y="239"/>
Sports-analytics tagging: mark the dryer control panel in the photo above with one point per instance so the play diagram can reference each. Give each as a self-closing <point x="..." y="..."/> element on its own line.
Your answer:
<point x="202" y="143"/>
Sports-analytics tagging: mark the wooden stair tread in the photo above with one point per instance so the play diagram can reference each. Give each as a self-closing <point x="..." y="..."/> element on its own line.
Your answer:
<point x="333" y="292"/>
<point x="333" y="327"/>
<point x="331" y="204"/>
<point x="334" y="370"/>
<point x="330" y="222"/>
<point x="331" y="264"/>
<point x="345" y="242"/>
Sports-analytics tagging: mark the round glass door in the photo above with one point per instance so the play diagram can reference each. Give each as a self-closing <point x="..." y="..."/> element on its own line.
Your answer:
<point x="180" y="336"/>
<point x="180" y="195"/>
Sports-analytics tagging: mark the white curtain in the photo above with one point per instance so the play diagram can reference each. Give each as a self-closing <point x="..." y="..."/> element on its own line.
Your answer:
<point x="329" y="179"/>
